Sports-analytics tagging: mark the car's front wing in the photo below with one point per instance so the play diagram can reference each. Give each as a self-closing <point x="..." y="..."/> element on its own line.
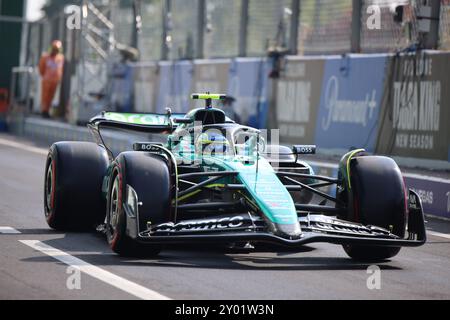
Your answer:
<point x="315" y="228"/>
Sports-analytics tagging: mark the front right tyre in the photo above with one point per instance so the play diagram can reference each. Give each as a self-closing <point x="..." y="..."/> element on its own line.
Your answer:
<point x="375" y="193"/>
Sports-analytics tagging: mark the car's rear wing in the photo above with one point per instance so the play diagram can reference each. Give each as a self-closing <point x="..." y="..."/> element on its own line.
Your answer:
<point x="141" y="122"/>
<point x="137" y="122"/>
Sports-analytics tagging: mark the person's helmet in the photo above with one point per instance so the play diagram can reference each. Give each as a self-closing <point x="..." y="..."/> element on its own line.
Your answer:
<point x="212" y="143"/>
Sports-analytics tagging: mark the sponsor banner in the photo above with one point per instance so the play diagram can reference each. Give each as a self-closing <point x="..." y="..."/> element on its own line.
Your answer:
<point x="434" y="193"/>
<point x="218" y="223"/>
<point x="414" y="121"/>
<point x="298" y="92"/>
<point x="175" y="80"/>
<point x="209" y="76"/>
<point x="350" y="102"/>
<point x="248" y="85"/>
<point x="136" y="118"/>
<point x="145" y="87"/>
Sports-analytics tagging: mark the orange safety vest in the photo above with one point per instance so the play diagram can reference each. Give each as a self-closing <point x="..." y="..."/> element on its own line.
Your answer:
<point x="51" y="67"/>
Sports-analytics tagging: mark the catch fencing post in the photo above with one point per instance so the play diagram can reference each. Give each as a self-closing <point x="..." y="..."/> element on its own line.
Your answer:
<point x="166" y="8"/>
<point x="356" y="26"/>
<point x="293" y="41"/>
<point x="243" y="29"/>
<point x="201" y="28"/>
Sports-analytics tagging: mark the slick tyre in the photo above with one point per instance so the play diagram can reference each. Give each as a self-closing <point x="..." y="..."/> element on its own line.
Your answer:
<point x="148" y="175"/>
<point x="74" y="175"/>
<point x="377" y="197"/>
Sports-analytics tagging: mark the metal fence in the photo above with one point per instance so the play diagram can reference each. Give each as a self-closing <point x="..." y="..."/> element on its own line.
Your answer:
<point x="222" y="28"/>
<point x="184" y="29"/>
<point x="34" y="45"/>
<point x="392" y="36"/>
<point x="444" y="26"/>
<point x="122" y="15"/>
<point x="188" y="29"/>
<point x="150" y="39"/>
<point x="268" y="25"/>
<point x="325" y="26"/>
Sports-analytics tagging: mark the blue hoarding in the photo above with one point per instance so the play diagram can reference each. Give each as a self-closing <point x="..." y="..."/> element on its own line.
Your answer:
<point x="248" y="84"/>
<point x="175" y="83"/>
<point x="350" y="102"/>
<point x="434" y="193"/>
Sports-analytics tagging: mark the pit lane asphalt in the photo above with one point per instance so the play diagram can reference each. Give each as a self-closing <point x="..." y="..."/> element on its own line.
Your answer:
<point x="319" y="271"/>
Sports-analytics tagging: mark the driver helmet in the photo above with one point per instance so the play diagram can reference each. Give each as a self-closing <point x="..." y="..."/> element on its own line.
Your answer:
<point x="212" y="143"/>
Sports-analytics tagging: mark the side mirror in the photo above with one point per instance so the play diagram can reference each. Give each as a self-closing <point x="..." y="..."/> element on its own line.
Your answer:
<point x="304" y="149"/>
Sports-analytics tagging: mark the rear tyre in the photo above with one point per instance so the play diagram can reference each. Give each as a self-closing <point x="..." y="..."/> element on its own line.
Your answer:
<point x="376" y="197"/>
<point x="74" y="175"/>
<point x="149" y="176"/>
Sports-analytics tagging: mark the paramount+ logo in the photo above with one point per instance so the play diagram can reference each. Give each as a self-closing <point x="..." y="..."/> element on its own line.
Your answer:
<point x="346" y="111"/>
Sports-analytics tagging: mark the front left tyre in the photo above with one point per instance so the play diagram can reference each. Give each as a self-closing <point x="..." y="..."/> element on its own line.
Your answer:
<point x="74" y="175"/>
<point x="149" y="178"/>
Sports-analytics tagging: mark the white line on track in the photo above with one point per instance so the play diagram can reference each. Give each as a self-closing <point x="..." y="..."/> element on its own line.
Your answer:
<point x="8" y="230"/>
<point x="21" y="146"/>
<point x="423" y="177"/>
<point x="438" y="234"/>
<point x="96" y="272"/>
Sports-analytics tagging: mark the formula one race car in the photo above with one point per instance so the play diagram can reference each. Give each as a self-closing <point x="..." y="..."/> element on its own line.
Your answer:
<point x="215" y="181"/>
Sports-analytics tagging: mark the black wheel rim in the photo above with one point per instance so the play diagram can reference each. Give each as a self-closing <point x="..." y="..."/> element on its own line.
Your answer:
<point x="49" y="189"/>
<point x="114" y="205"/>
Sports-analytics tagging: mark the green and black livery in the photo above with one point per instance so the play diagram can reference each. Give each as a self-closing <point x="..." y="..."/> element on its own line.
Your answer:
<point x="216" y="181"/>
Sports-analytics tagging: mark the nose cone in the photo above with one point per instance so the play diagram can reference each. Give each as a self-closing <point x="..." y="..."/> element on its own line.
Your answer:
<point x="271" y="196"/>
<point x="288" y="231"/>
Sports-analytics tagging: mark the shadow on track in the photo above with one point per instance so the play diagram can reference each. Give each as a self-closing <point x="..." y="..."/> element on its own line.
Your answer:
<point x="94" y="250"/>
